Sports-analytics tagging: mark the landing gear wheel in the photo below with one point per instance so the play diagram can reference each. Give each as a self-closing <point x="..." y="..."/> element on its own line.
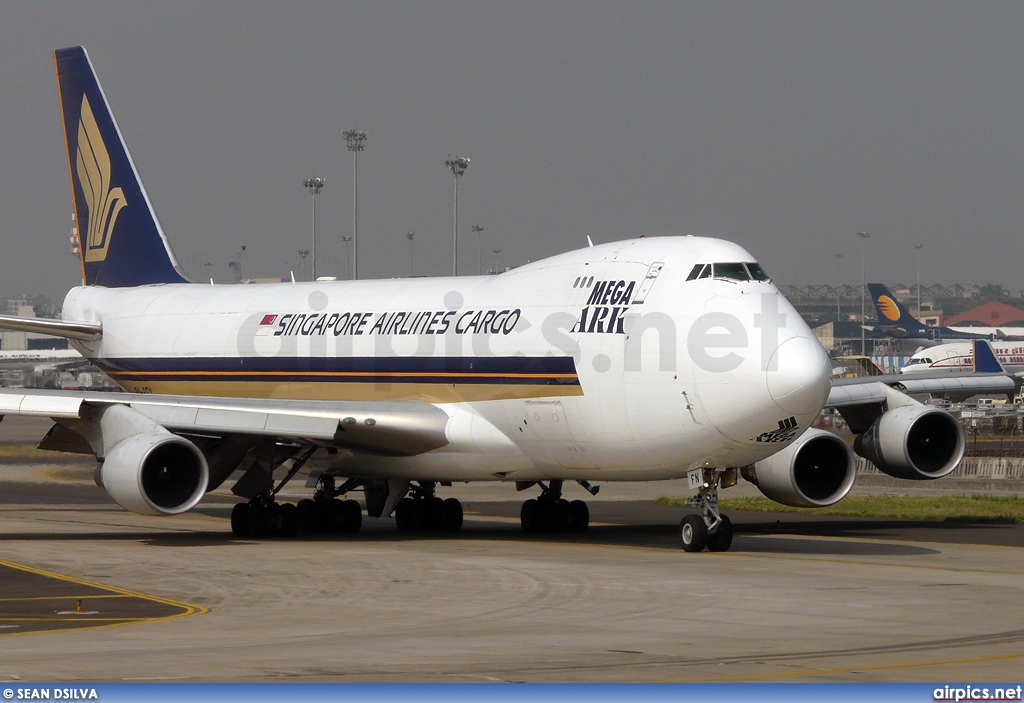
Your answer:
<point x="693" y="533"/>
<point x="261" y="522"/>
<point x="721" y="539"/>
<point x="579" y="516"/>
<point x="306" y="514"/>
<point x="240" y="520"/>
<point x="531" y="516"/>
<point x="351" y="516"/>
<point x="452" y="511"/>
<point x="288" y="520"/>
<point x="404" y="514"/>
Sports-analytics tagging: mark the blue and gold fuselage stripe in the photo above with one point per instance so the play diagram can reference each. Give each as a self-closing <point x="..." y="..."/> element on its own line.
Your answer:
<point x="515" y="370"/>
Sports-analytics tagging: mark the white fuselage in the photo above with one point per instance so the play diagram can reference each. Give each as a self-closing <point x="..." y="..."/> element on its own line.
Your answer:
<point x="604" y="363"/>
<point x="959" y="356"/>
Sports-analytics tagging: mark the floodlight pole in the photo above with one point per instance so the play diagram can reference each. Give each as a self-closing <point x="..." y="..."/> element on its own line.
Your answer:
<point x="458" y="166"/>
<point x="348" y="256"/>
<point x="919" y="247"/>
<point x="839" y="292"/>
<point x="409" y="236"/>
<point x="314" y="185"/>
<point x="863" y="238"/>
<point x="478" y="229"/>
<point x="355" y="142"/>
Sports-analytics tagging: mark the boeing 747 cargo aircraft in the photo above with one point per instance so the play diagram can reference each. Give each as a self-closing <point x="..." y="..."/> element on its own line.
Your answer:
<point x="640" y="360"/>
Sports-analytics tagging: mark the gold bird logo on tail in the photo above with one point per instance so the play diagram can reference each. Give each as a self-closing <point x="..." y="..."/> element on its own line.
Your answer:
<point x="104" y="202"/>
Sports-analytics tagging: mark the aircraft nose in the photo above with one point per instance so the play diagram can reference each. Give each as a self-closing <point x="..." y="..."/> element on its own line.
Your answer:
<point x="799" y="375"/>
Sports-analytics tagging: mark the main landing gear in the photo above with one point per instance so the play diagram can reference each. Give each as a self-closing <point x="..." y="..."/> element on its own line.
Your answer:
<point x="552" y="513"/>
<point x="710" y="528"/>
<point x="328" y="512"/>
<point x="263" y="516"/>
<point x="422" y="511"/>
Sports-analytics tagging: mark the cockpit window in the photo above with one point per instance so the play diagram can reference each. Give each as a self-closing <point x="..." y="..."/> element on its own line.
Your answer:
<point x="735" y="272"/>
<point x="756" y="272"/>
<point x="695" y="272"/>
<point x="706" y="271"/>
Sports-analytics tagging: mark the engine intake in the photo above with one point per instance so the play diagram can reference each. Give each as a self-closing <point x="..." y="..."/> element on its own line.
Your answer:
<point x="914" y="442"/>
<point x="814" y="471"/>
<point x="155" y="474"/>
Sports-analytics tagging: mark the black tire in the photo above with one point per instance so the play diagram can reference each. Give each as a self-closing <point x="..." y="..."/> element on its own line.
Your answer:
<point x="531" y="517"/>
<point x="436" y="516"/>
<point x="306" y="513"/>
<point x="579" y="516"/>
<point x="452" y="515"/>
<point x="352" y="514"/>
<point x="338" y="516"/>
<point x="260" y="524"/>
<point x="721" y="539"/>
<point x="288" y="520"/>
<point x="693" y="533"/>
<point x="323" y="516"/>
<point x="404" y="514"/>
<point x="240" y="520"/>
<point x="420" y="515"/>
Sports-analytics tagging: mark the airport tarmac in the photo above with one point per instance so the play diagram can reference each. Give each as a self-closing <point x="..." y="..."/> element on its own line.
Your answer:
<point x="796" y="599"/>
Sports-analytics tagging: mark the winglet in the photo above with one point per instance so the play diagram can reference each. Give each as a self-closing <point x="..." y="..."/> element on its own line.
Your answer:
<point x="121" y="241"/>
<point x="985" y="360"/>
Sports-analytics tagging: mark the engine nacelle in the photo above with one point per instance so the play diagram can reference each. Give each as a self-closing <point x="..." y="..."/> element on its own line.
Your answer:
<point x="816" y="470"/>
<point x="155" y="474"/>
<point x="914" y="441"/>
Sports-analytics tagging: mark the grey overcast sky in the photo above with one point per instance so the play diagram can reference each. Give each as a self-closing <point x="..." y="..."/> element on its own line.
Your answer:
<point x="784" y="126"/>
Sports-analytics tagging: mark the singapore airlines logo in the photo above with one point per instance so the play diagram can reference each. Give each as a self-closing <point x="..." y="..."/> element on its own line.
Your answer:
<point x="104" y="202"/>
<point x="888" y="307"/>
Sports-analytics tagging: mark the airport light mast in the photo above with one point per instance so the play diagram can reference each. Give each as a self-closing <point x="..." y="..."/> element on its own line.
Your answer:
<point x="348" y="256"/>
<point x="355" y="141"/>
<point x="409" y="236"/>
<point x="839" y="292"/>
<point x="919" y="247"/>
<point x="458" y="166"/>
<point x="863" y="238"/>
<point x="478" y="229"/>
<point x="315" y="185"/>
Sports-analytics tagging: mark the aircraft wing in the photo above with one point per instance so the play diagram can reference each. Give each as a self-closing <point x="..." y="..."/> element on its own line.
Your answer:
<point x="393" y="428"/>
<point x="862" y="400"/>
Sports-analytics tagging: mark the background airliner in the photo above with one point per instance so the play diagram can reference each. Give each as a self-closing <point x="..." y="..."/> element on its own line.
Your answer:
<point x="639" y="360"/>
<point x="896" y="321"/>
<point x="960" y="357"/>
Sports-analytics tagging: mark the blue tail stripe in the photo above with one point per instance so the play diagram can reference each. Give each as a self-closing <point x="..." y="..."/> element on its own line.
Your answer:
<point x="121" y="241"/>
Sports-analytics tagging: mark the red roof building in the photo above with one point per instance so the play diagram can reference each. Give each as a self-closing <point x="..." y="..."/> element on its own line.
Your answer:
<point x="989" y="315"/>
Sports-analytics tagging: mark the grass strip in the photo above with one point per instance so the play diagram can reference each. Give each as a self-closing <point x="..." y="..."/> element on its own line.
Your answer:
<point x="954" y="508"/>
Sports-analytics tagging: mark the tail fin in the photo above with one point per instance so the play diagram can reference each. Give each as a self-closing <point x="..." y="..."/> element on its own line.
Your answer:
<point x="985" y="360"/>
<point x="121" y="241"/>
<point x="890" y="311"/>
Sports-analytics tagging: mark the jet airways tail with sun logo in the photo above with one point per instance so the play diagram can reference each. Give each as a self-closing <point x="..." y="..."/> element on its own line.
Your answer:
<point x="898" y="322"/>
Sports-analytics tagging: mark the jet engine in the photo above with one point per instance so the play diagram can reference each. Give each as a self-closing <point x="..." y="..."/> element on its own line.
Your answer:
<point x="814" y="471"/>
<point x="914" y="441"/>
<point x="154" y="474"/>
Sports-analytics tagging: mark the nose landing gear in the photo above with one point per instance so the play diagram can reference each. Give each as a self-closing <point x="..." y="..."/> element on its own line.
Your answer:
<point x="710" y="528"/>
